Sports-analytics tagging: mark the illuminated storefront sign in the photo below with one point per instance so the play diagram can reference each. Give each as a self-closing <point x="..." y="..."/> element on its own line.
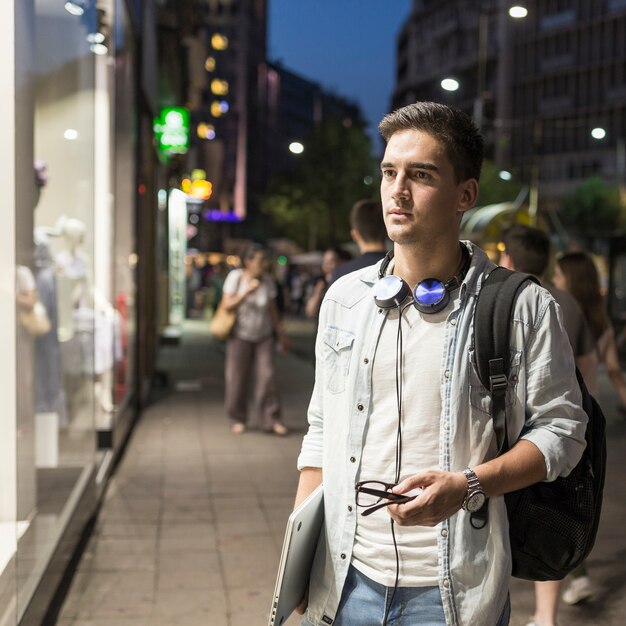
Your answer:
<point x="171" y="129"/>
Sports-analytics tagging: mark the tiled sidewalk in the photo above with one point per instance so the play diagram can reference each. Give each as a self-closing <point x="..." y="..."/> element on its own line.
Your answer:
<point x="191" y="528"/>
<point x="192" y="524"/>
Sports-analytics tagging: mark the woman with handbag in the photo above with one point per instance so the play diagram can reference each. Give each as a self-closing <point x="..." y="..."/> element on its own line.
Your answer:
<point x="251" y="293"/>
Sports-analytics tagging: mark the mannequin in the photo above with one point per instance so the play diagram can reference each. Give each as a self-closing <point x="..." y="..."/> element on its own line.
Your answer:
<point x="71" y="265"/>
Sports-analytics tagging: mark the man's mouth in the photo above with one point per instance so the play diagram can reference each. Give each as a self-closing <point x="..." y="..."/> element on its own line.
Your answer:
<point x="398" y="212"/>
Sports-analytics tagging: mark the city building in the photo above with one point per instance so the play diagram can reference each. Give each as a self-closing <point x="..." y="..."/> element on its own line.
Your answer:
<point x="294" y="105"/>
<point x="548" y="87"/>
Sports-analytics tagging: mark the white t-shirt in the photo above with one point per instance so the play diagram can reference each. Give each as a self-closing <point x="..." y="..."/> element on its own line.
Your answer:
<point x="254" y="321"/>
<point x="423" y="340"/>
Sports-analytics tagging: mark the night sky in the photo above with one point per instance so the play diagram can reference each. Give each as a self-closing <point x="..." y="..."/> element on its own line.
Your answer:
<point x="347" y="46"/>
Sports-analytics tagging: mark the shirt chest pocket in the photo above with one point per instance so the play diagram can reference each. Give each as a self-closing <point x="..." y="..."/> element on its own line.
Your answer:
<point x="337" y="346"/>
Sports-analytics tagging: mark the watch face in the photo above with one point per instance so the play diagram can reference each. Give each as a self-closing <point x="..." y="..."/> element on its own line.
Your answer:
<point x="475" y="501"/>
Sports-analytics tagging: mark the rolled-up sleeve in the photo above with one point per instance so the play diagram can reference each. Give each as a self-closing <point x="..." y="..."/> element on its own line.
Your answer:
<point x="311" y="453"/>
<point x="555" y="421"/>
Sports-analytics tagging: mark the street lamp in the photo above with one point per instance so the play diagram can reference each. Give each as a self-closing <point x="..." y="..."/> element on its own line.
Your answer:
<point x="516" y="12"/>
<point x="598" y="133"/>
<point x="295" y="147"/>
<point x="450" y="84"/>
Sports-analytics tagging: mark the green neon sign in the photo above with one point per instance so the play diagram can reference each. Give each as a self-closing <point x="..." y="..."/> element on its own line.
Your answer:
<point x="171" y="129"/>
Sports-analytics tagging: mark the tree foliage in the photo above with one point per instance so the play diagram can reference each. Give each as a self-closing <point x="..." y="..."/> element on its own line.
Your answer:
<point x="593" y="207"/>
<point x="493" y="189"/>
<point x="311" y="204"/>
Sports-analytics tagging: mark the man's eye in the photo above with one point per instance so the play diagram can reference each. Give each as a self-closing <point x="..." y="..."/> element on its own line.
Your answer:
<point x="421" y="175"/>
<point x="388" y="173"/>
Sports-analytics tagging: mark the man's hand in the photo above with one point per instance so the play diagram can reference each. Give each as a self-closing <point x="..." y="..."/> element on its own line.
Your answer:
<point x="301" y="608"/>
<point x="442" y="496"/>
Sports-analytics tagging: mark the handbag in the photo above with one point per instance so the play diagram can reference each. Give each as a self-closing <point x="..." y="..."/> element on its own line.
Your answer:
<point x="222" y="323"/>
<point x="36" y="321"/>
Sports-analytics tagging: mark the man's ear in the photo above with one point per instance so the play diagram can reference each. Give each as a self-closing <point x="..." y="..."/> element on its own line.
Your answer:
<point x="354" y="233"/>
<point x="468" y="193"/>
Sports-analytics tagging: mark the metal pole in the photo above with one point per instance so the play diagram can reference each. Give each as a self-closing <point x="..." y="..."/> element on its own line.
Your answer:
<point x="533" y="200"/>
<point x="479" y="102"/>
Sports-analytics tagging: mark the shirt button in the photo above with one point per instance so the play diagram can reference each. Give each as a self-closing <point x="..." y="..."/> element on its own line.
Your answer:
<point x="447" y="373"/>
<point x="349" y="509"/>
<point x="352" y="459"/>
<point x="366" y="361"/>
<point x="446" y="583"/>
<point x="359" y="406"/>
<point x="343" y="555"/>
<point x="453" y="322"/>
<point x="444" y="533"/>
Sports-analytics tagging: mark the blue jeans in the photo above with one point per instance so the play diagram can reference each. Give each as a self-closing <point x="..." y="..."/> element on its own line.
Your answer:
<point x="363" y="603"/>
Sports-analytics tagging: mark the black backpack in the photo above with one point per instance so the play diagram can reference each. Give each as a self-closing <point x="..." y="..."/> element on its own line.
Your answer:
<point x="552" y="525"/>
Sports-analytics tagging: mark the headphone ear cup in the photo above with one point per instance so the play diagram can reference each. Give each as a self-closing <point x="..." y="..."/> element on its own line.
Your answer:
<point x="390" y="292"/>
<point x="430" y="296"/>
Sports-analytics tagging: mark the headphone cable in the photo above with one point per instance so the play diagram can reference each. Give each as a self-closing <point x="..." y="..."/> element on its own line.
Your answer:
<point x="399" y="380"/>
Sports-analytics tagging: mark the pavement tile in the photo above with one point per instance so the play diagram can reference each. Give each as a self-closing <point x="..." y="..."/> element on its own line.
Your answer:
<point x="116" y="595"/>
<point x="184" y="579"/>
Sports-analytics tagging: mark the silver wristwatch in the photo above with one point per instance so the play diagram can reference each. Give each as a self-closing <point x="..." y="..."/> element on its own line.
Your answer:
<point x="475" y="497"/>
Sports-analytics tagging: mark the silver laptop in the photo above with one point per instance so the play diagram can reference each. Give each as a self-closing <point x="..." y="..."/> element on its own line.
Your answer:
<point x="301" y="537"/>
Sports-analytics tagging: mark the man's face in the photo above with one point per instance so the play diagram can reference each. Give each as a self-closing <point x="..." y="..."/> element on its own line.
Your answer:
<point x="421" y="199"/>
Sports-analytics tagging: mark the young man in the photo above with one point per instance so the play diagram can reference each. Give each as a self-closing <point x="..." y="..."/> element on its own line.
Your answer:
<point x="397" y="400"/>
<point x="367" y="229"/>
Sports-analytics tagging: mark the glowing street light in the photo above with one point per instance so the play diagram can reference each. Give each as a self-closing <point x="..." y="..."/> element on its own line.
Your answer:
<point x="518" y="12"/>
<point x="505" y="175"/>
<point x="598" y="133"/>
<point x="295" y="147"/>
<point x="450" y="84"/>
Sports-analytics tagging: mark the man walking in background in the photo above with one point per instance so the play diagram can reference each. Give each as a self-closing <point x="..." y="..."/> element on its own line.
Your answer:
<point x="527" y="249"/>
<point x="367" y="229"/>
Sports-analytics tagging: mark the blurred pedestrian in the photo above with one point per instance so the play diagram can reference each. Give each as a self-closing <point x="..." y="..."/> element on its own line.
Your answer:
<point x="527" y="249"/>
<point x="367" y="229"/>
<point x="251" y="292"/>
<point x="330" y="262"/>
<point x="576" y="273"/>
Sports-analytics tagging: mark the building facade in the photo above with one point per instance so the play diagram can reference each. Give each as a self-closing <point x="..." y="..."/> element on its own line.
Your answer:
<point x="77" y="286"/>
<point x="537" y="85"/>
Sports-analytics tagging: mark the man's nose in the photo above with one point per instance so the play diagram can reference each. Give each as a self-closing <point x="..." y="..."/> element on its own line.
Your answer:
<point x="400" y="189"/>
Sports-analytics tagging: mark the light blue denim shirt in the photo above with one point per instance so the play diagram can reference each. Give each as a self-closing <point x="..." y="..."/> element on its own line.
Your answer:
<point x="543" y="407"/>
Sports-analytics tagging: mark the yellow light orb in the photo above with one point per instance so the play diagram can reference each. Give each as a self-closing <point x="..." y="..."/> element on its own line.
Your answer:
<point x="219" y="41"/>
<point x="219" y="87"/>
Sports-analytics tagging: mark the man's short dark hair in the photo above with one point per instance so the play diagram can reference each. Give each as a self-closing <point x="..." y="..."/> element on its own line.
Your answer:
<point x="528" y="247"/>
<point x="366" y="217"/>
<point x="454" y="129"/>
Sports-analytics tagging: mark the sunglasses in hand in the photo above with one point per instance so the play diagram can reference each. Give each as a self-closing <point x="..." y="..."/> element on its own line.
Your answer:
<point x="372" y="495"/>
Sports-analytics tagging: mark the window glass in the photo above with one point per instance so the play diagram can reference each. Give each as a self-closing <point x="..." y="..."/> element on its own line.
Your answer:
<point x="58" y="332"/>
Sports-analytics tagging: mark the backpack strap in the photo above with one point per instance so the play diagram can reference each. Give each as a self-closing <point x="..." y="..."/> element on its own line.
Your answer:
<point x="492" y="330"/>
